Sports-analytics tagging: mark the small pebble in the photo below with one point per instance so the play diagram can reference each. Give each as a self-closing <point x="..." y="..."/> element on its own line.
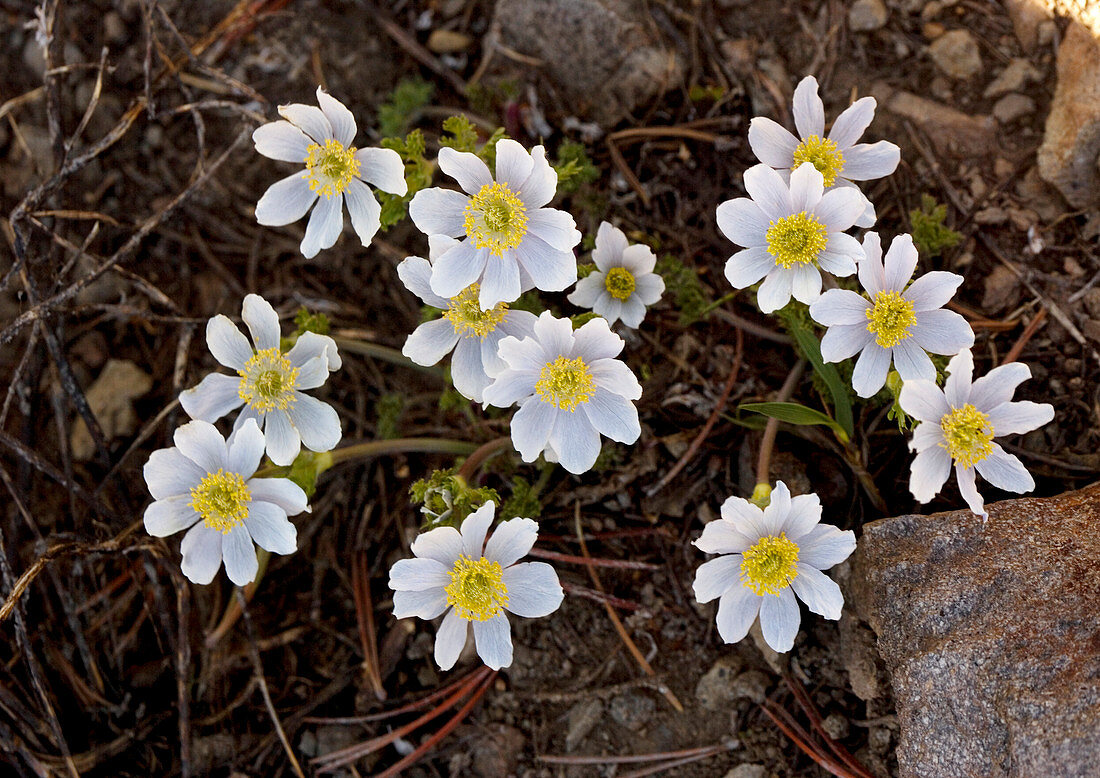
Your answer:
<point x="1013" y="106"/>
<point x="867" y="15"/>
<point x="956" y="54"/>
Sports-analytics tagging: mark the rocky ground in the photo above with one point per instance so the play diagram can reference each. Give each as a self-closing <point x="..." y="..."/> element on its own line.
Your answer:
<point x="968" y="650"/>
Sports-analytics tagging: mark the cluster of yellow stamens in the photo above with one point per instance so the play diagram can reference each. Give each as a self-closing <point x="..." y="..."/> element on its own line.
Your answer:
<point x="566" y="383"/>
<point x="769" y="566"/>
<point x="967" y="435"/>
<point x="330" y="168"/>
<point x="268" y="381"/>
<point x="496" y="219"/>
<point x="619" y="283"/>
<point x="468" y="318"/>
<point x="890" y="319"/>
<point x="476" y="590"/>
<point x="823" y="154"/>
<point x="796" y="239"/>
<point x="222" y="499"/>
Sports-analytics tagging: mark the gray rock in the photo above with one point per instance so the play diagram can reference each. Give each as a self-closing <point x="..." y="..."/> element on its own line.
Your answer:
<point x="867" y="15"/>
<point x="748" y="771"/>
<point x="990" y="635"/>
<point x="956" y="54"/>
<point x="1018" y="74"/>
<point x="633" y="710"/>
<point x="604" y="56"/>
<point x="715" y="689"/>
<point x="1013" y="106"/>
<point x="751" y="684"/>
<point x="582" y="718"/>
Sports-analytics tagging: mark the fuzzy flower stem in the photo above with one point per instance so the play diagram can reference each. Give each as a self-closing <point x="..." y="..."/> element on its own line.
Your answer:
<point x="481" y="455"/>
<point x="384" y="353"/>
<point x="374" y="448"/>
<point x="767" y="443"/>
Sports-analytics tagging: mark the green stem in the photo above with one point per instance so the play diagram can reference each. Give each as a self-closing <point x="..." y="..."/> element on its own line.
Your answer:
<point x="374" y="448"/>
<point x="717" y="304"/>
<point x="386" y="354"/>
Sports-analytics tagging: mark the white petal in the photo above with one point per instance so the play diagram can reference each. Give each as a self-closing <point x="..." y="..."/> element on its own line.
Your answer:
<point x="923" y="400"/>
<point x="317" y="423"/>
<point x="775" y="292"/>
<point x="338" y="115"/>
<point x="425" y="604"/>
<point x="443" y="544"/>
<point x="383" y="169"/>
<point x="493" y="638"/>
<point x="611" y="242"/>
<point x="768" y="190"/>
<point x="467" y="371"/>
<point x="430" y="342"/>
<point x="809" y="113"/>
<point x="201" y="442"/>
<point x="872" y="275"/>
<point x="508" y="387"/>
<point x="779" y="620"/>
<point x="309" y="119"/>
<point x="533" y="589"/>
<point x="283" y="441"/>
<point x="169" y="515"/>
<point x="214" y="397"/>
<point x="438" y="211"/>
<point x="556" y="228"/>
<point x="324" y="225"/>
<point x="969" y="490"/>
<point x="839" y="208"/>
<point x="262" y="321"/>
<point x="998" y="385"/>
<point x="587" y="290"/>
<point x="900" y="262"/>
<point x="737" y="610"/>
<point x="416" y="274"/>
<point x="1012" y="418"/>
<point x="474" y="528"/>
<point x="245" y="449"/>
<point x="774" y="516"/>
<point x="942" y="332"/>
<point x="363" y="209"/>
<point x="911" y="361"/>
<point x="614" y="376"/>
<point x="807" y="186"/>
<point x="723" y="537"/>
<point x="957" y="386"/>
<point x="313" y="373"/>
<point x="868" y="217"/>
<point x="511" y="541"/>
<point x="282" y="141"/>
<point x="168" y="473"/>
<point x="649" y="288"/>
<point x="633" y="311"/>
<point x="871" y="368"/>
<point x="803" y="516"/>
<point x="640" y="260"/>
<point x="500" y="282"/>
<point x="228" y="345"/>
<point x="514" y="164"/>
<point x="747" y="267"/>
<point x="840" y="306"/>
<point x="852" y="122"/>
<point x="840" y="255"/>
<point x="1005" y="471"/>
<point x="576" y="441"/>
<point x="202" y="554"/>
<point x="418" y="575"/>
<point x="805" y="283"/>
<point x="551" y="269"/>
<point x="531" y="426"/>
<point x="743" y="222"/>
<point x="465" y="168"/>
<point x="926" y="435"/>
<point x="540" y="186"/>
<point x="843" y="341"/>
<point x="554" y="335"/>
<point x="457" y="268"/>
<point x="818" y="591"/>
<point x="241" y="564"/>
<point x="930" y="471"/>
<point x="269" y="527"/>
<point x="450" y="640"/>
<point x="932" y="290"/>
<point x="867" y="161"/>
<point x="716" y="577"/>
<point x="613" y="416"/>
<point x="771" y="142"/>
<point x="281" y="492"/>
<point x="825" y="546"/>
<point x="594" y="340"/>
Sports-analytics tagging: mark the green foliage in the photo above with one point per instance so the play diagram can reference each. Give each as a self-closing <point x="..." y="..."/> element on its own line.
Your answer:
<point x="524" y="501"/>
<point x="460" y="134"/>
<point x="389" y="409"/>
<point x="794" y="413"/>
<point x="698" y="93"/>
<point x="404" y="105"/>
<point x="447" y="499"/>
<point x="310" y="322"/>
<point x="451" y="400"/>
<point x="682" y="283"/>
<point x="428" y="313"/>
<point x="484" y="97"/>
<point x="930" y="234"/>
<point x="585" y="270"/>
<point x="582" y="319"/>
<point x="893" y="386"/>
<point x="574" y="168"/>
<point x="418" y="175"/>
<point x="528" y="301"/>
<point x="306" y="468"/>
<point x="796" y="317"/>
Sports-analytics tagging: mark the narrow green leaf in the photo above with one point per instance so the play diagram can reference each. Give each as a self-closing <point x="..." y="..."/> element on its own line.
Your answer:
<point x="793" y="413"/>
<point x="842" y="404"/>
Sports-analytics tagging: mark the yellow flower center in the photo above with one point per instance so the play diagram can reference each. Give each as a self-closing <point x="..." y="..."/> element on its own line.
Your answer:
<point x="566" y="383"/>
<point x="769" y="566"/>
<point x="330" y="168"/>
<point x="619" y="283"/>
<point x="496" y="219"/>
<point x="967" y="435"/>
<point x="890" y="319"/>
<point x="476" y="590"/>
<point x="222" y="499"/>
<point x="467" y="317"/>
<point x="823" y="154"/>
<point x="267" y="381"/>
<point x="796" y="239"/>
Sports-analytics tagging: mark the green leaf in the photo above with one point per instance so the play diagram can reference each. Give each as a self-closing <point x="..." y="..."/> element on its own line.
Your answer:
<point x="793" y="413"/>
<point x="811" y="347"/>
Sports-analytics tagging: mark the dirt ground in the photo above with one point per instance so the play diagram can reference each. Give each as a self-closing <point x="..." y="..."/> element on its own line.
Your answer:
<point x="130" y="179"/>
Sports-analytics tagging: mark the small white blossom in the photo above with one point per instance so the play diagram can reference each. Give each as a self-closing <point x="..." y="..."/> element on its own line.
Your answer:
<point x="472" y="333"/>
<point x="206" y="483"/>
<point x="958" y="424"/>
<point x="896" y="321"/>
<point x="336" y="172"/>
<point x="512" y="242"/>
<point x="790" y="232"/>
<point x="269" y="382"/>
<point x="570" y="389"/>
<point x="766" y="558"/>
<point x="623" y="283"/>
<point x="474" y="583"/>
<point x="838" y="157"/>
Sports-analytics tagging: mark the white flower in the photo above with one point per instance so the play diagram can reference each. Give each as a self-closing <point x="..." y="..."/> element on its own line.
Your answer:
<point x="336" y="172"/>
<point x="474" y="334"/>
<point x="268" y="383"/>
<point x="838" y="157"/>
<point x="896" y="324"/>
<point x="767" y="557"/>
<point x="570" y="389"/>
<point x="205" y="482"/>
<point x="958" y="424"/>
<point x="512" y="242"/>
<point x="623" y="283"/>
<point x="452" y="573"/>
<point x="790" y="231"/>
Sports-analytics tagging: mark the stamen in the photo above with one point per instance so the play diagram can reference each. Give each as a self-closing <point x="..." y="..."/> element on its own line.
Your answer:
<point x="476" y="590"/>
<point x="823" y="154"/>
<point x="967" y="435"/>
<point x="796" y="239"/>
<point x="330" y="168"/>
<point x="770" y="565"/>
<point x="619" y="283"/>
<point x="467" y="317"/>
<point x="496" y="219"/>
<point x="566" y="383"/>
<point x="222" y="499"/>
<point x="890" y="319"/>
<point x="268" y="381"/>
